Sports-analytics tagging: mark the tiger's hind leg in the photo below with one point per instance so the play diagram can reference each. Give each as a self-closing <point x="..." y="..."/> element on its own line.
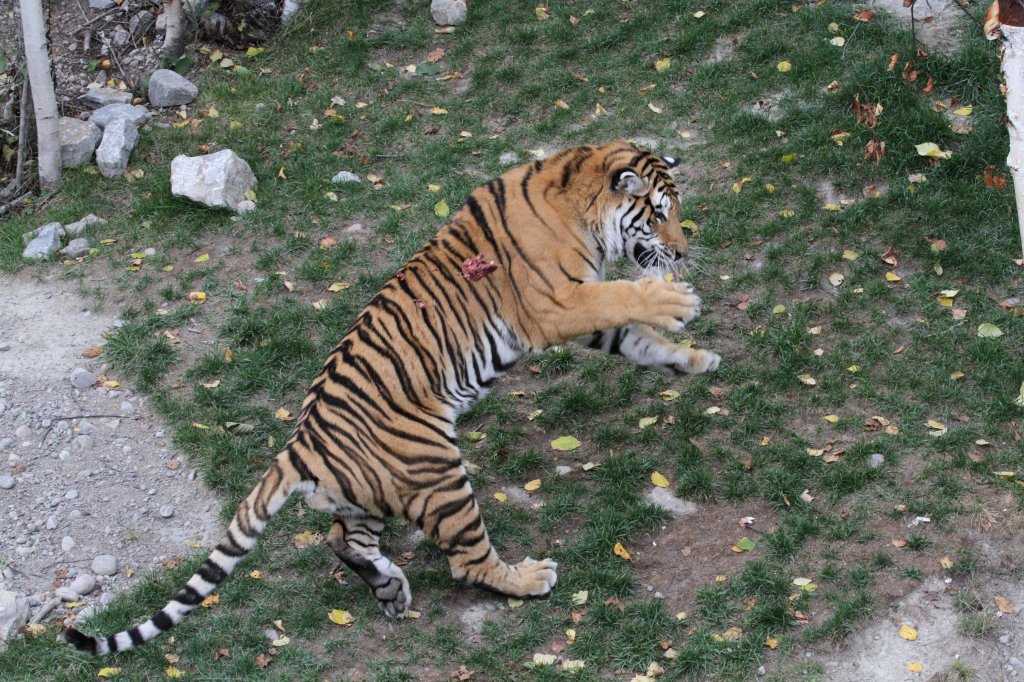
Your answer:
<point x="449" y="514"/>
<point x="645" y="346"/>
<point x="356" y="541"/>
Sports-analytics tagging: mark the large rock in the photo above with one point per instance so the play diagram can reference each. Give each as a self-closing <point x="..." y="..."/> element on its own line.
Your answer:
<point x="448" y="12"/>
<point x="45" y="244"/>
<point x="136" y="114"/>
<point x="76" y="248"/>
<point x="101" y="97"/>
<point x="219" y="180"/>
<point x="168" y="89"/>
<point x="78" y="140"/>
<point x="32" y="234"/>
<point x="79" y="227"/>
<point x="13" y="615"/>
<point x="119" y="139"/>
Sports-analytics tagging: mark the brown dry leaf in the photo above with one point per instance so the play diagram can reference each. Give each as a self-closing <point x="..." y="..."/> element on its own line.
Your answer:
<point x="898" y="543"/>
<point x="864" y="15"/>
<point x="573" y="21"/>
<point x="92" y="352"/>
<point x="435" y="55"/>
<point x="874" y="150"/>
<point x="1004" y="605"/>
<point x="994" y="180"/>
<point x="328" y="242"/>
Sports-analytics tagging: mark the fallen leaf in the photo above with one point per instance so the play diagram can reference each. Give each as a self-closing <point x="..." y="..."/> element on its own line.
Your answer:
<point x="946" y="562"/>
<point x="340" y="617"/>
<point x="621" y="552"/>
<point x="501" y="497"/>
<point x="807" y="379"/>
<point x="987" y="330"/>
<point x="1004" y="605"/>
<point x="663" y="65"/>
<point x="565" y="443"/>
<point x="532" y="485"/>
<point x="580" y="598"/>
<point x="932" y="150"/>
<point x="669" y="395"/>
<point x="256" y="575"/>
<point x="173" y="672"/>
<point x="915" y="667"/>
<point x="197" y="296"/>
<point x="658" y="479"/>
<point x="441" y="209"/>
<point x="647" y="421"/>
<point x="108" y="672"/>
<point x="784" y="66"/>
<point x="778" y="309"/>
<point x="654" y="108"/>
<point x="836" y="279"/>
<point x="542" y="659"/>
<point x="831" y="418"/>
<point x="282" y="414"/>
<point x="335" y="287"/>
<point x="864" y="15"/>
<point x="908" y="633"/>
<point x="966" y="110"/>
<point x="746" y="544"/>
<point x="892" y="277"/>
<point x="203" y="258"/>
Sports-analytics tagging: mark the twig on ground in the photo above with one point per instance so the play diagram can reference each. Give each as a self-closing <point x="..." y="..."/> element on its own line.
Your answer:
<point x="23" y="134"/>
<point x="54" y="420"/>
<point x="11" y="205"/>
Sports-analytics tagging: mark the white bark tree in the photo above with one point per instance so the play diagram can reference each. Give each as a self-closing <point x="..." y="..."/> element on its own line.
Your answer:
<point x="44" y="101"/>
<point x="174" y="42"/>
<point x="1004" y="21"/>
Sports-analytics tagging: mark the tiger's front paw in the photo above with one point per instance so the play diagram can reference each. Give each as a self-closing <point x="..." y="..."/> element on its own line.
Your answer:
<point x="536" y="577"/>
<point x="696" y="361"/>
<point x="669" y="305"/>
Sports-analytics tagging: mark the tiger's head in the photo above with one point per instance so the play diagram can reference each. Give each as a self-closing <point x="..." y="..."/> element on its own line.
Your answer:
<point x="640" y="215"/>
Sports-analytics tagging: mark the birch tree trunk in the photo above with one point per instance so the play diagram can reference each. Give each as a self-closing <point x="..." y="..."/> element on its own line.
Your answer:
<point x="174" y="43"/>
<point x="1005" y="20"/>
<point x="44" y="101"/>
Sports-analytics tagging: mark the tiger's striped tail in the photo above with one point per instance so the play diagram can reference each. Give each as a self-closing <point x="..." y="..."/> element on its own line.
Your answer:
<point x="273" y="490"/>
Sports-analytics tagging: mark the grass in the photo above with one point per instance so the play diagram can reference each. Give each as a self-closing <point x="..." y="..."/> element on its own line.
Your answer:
<point x="881" y="353"/>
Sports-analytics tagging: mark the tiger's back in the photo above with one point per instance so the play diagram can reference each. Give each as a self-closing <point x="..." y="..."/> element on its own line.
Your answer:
<point x="519" y="268"/>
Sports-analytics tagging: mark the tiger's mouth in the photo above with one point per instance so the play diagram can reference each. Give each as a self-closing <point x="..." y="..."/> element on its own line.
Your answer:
<point x="658" y="259"/>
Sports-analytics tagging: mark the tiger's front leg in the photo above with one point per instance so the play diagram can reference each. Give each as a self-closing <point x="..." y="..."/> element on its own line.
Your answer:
<point x="644" y="346"/>
<point x="449" y="514"/>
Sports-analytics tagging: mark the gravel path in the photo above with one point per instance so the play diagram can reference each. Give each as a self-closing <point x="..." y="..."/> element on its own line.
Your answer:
<point x="87" y="506"/>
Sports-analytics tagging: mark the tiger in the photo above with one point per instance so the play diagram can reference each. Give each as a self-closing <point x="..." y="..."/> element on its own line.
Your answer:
<point x="519" y="268"/>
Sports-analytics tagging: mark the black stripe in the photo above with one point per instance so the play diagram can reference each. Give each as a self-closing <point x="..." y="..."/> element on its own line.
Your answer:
<point x="136" y="636"/>
<point x="163" y="622"/>
<point x="188" y="596"/>
<point x="211" y="572"/>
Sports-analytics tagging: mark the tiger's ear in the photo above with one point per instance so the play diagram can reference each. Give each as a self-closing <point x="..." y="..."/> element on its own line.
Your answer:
<point x="626" y="180"/>
<point x="672" y="161"/>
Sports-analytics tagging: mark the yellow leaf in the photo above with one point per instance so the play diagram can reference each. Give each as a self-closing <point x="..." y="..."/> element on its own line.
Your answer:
<point x="330" y="196"/>
<point x="108" y="672"/>
<point x="433" y="188"/>
<point x="784" y="66"/>
<point x="255" y="575"/>
<point x="561" y="104"/>
<point x="203" y="258"/>
<point x="892" y="277"/>
<point x="663" y="65"/>
<point x="543" y="659"/>
<point x="832" y="207"/>
<point x="441" y="209"/>
<point x="771" y="643"/>
<point x="110" y="383"/>
<point x="655" y="109"/>
<point x="501" y="497"/>
<point x="908" y="633"/>
<point x="946" y="562"/>
<point x="658" y="479"/>
<point x="532" y="485"/>
<point x="621" y="552"/>
<point x="689" y="225"/>
<point x="534" y="414"/>
<point x="282" y="414"/>
<point x="987" y="330"/>
<point x="438" y="111"/>
<point x="589" y="466"/>
<point x="838" y="41"/>
<point x="253" y="52"/>
<point x="211" y="384"/>
<point x="475" y="436"/>
<point x="915" y="667"/>
<point x="932" y="424"/>
<point x="932" y="150"/>
<point x="197" y="425"/>
<point x="769" y="187"/>
<point x="714" y="409"/>
<point x="669" y="396"/>
<point x="779" y="309"/>
<point x="831" y="418"/>
<point x="281" y="174"/>
<point x="340" y="617"/>
<point x="412" y="614"/>
<point x="570" y="636"/>
<point x="580" y="598"/>
<point x="197" y="296"/>
<point x="335" y="287"/>
<point x="964" y="110"/>
<point x="786" y="213"/>
<point x="514" y="603"/>
<point x="788" y="158"/>
<point x="281" y="641"/>
<point x="849" y="254"/>
<point x="573" y="666"/>
<point x="167" y="268"/>
<point x="210" y="601"/>
<point x="807" y="380"/>
<point x="34" y="629"/>
<point x="565" y="443"/>
<point x="173" y="672"/>
<point x="647" y="421"/>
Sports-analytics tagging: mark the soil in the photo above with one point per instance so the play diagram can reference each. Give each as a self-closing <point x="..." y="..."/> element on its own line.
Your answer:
<point x="83" y="486"/>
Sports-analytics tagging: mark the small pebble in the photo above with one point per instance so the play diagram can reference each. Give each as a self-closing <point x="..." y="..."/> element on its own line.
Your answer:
<point x="71" y="495"/>
<point x="66" y="593"/>
<point x="4" y="346"/>
<point x="1004" y="639"/>
<point x="167" y="511"/>
<point x="82" y="378"/>
<point x="23" y="432"/>
<point x="6" y="481"/>
<point x="876" y="460"/>
<point x="67" y="543"/>
<point x="83" y="584"/>
<point x="104" y="564"/>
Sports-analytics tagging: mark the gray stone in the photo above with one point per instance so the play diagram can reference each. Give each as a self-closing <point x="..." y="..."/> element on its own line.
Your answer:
<point x="66" y="593"/>
<point x="346" y="176"/>
<point x="13" y="615"/>
<point x="1016" y="663"/>
<point x="27" y="237"/>
<point x="508" y="159"/>
<point x="101" y="97"/>
<point x="120" y="37"/>
<point x="77" y="228"/>
<point x="876" y="460"/>
<point x="6" y="481"/>
<point x="245" y="206"/>
<point x="78" y="140"/>
<point x="71" y="495"/>
<point x="166" y="511"/>
<point x="23" y="431"/>
<point x="136" y="114"/>
<point x="168" y="89"/>
<point x="82" y="444"/>
<point x="104" y="564"/>
<point x="67" y="543"/>
<point x="139" y="23"/>
<point x="45" y="244"/>
<point x="563" y="470"/>
<point x="663" y="497"/>
<point x="101" y="4"/>
<point x="119" y="139"/>
<point x="218" y="180"/>
<point x="6" y="444"/>
<point x="83" y="584"/>
<point x="76" y="248"/>
<point x="82" y="378"/>
<point x="448" y="12"/>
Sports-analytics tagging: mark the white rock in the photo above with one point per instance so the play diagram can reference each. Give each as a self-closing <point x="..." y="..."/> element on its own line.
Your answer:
<point x="83" y="584"/>
<point x="563" y="470"/>
<point x="76" y="248"/>
<point x="137" y="114"/>
<point x="219" y="180"/>
<point x="166" y="511"/>
<point x="876" y="460"/>
<point x="664" y="498"/>
<point x="346" y="176"/>
<point x="82" y="378"/>
<point x="508" y="159"/>
<point x="67" y="543"/>
<point x="78" y="140"/>
<point x="82" y="443"/>
<point x="119" y="139"/>
<point x="13" y="615"/>
<point x="66" y="593"/>
<point x="46" y="244"/>
<point x="23" y="431"/>
<point x="71" y="495"/>
<point x="245" y="206"/>
<point x="104" y="564"/>
<point x="101" y="97"/>
<point x="6" y="481"/>
<point x="80" y="226"/>
<point x="448" y="12"/>
<point x="27" y="237"/>
<point x="168" y="89"/>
